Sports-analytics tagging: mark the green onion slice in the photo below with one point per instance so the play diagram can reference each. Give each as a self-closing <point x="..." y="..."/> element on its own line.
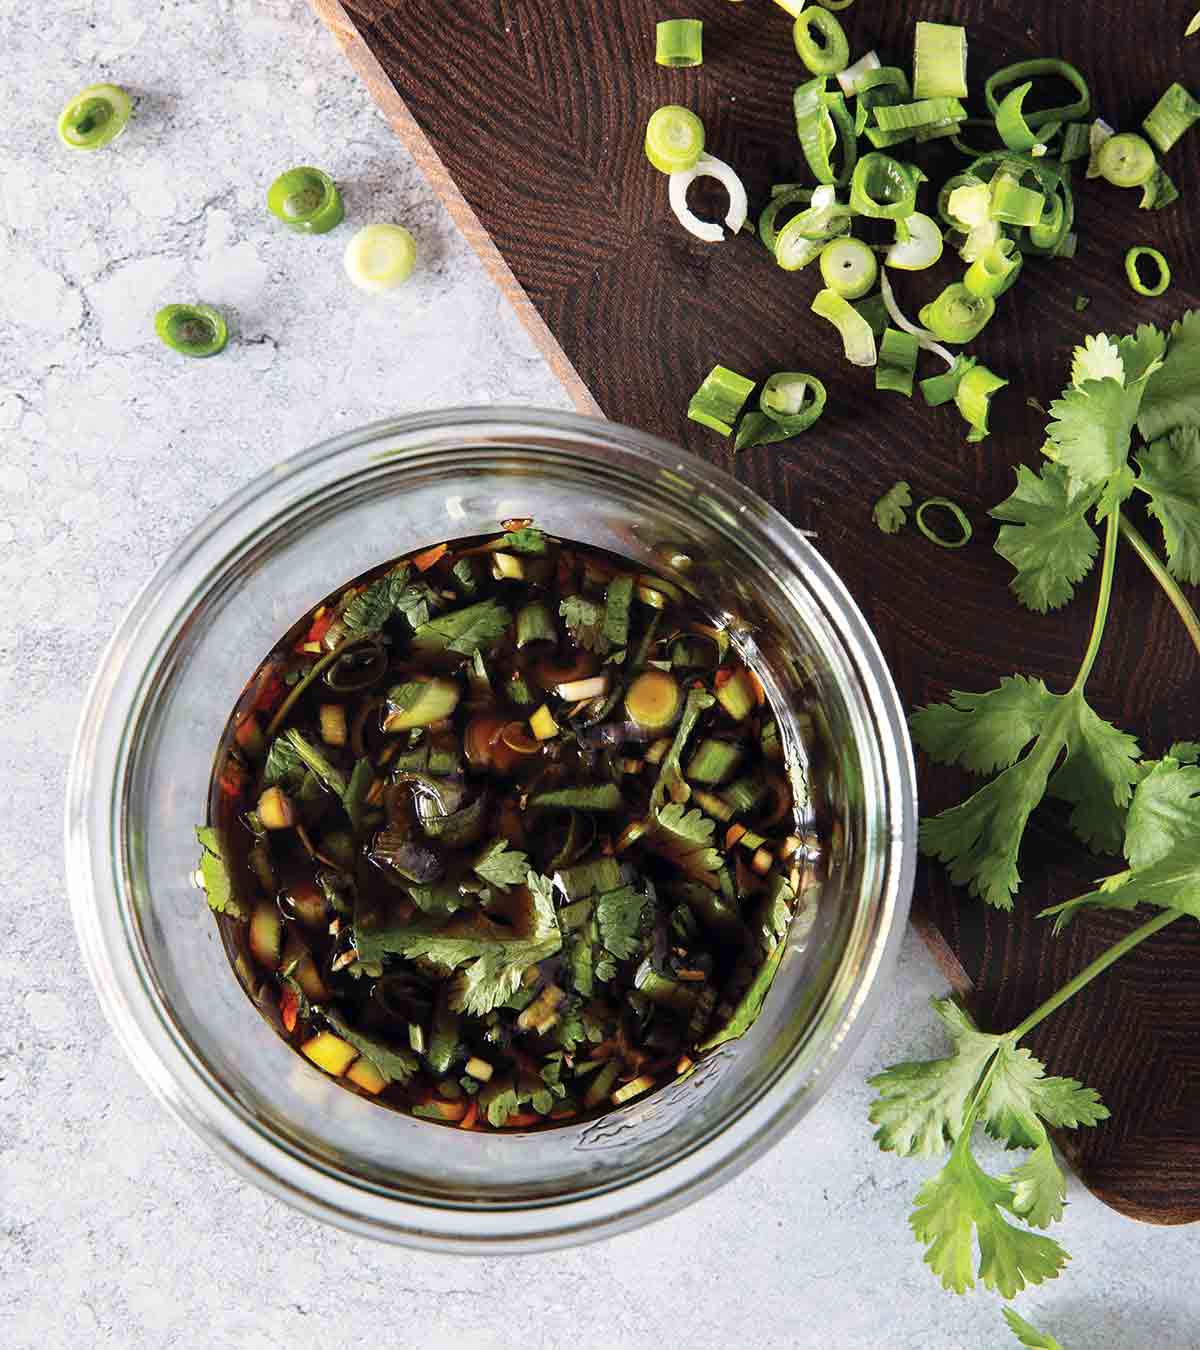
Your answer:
<point x="927" y="113"/>
<point x="1171" y="116"/>
<point x="821" y="41"/>
<point x="1014" y="204"/>
<point x="883" y="188"/>
<point x="874" y="311"/>
<point x="674" y="138"/>
<point x="973" y="398"/>
<point x="719" y="399"/>
<point x="1133" y="257"/>
<point x="1012" y="126"/>
<point x="940" y="61"/>
<point x="1076" y="142"/>
<point x="1158" y="192"/>
<point x="1126" y="160"/>
<point x="848" y="266"/>
<point x="780" y="201"/>
<point x="708" y="166"/>
<point x="956" y="315"/>
<point x="853" y="77"/>
<point x="881" y="87"/>
<point x="1047" y="235"/>
<point x="803" y="237"/>
<point x="921" y="249"/>
<point x="961" y="209"/>
<point x="937" y="131"/>
<point x="192" y="330"/>
<point x="989" y="274"/>
<point x="1042" y="66"/>
<point x="1099" y="134"/>
<point x="679" y="42"/>
<point x="823" y="124"/>
<point x="94" y="117"/>
<point x="939" y="389"/>
<point x="1194" y="27"/>
<point x="858" y="341"/>
<point x="793" y="400"/>
<point x="945" y="504"/>
<point x="380" y="257"/>
<point x="925" y="339"/>
<point x="897" y="362"/>
<point x="306" y="200"/>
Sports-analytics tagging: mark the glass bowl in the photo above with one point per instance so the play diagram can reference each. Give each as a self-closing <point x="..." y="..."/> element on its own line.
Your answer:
<point x="140" y="776"/>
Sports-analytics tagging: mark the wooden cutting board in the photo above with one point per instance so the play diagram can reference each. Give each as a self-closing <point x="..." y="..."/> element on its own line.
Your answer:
<point x="528" y="118"/>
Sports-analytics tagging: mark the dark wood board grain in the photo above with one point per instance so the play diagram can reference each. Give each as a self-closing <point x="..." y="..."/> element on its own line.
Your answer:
<point x="528" y="115"/>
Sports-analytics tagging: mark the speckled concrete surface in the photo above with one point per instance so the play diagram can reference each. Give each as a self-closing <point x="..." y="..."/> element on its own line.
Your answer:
<point x="116" y="1227"/>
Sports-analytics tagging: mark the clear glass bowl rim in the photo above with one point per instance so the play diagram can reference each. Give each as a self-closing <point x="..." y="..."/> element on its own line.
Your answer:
<point x="94" y="812"/>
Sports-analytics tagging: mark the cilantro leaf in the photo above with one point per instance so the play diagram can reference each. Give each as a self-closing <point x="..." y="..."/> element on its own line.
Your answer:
<point x="1039" y="1188"/>
<point x="1029" y="1336"/>
<point x="963" y="1203"/>
<point x="620" y="918"/>
<point x="686" y="837"/>
<point x="1098" y="358"/>
<point x="528" y="540"/>
<point x="314" y="761"/>
<point x="387" y="597"/>
<point x="1186" y="752"/>
<point x="585" y="622"/>
<point x="1170" y="477"/>
<point x="890" y="511"/>
<point x="284" y="767"/>
<point x="1020" y="1095"/>
<point x="1172" y="397"/>
<point x="396" y="1066"/>
<point x="1047" y="538"/>
<point x="464" y="630"/>
<point x="501" y="864"/>
<point x="979" y="839"/>
<point x="214" y="875"/>
<point x="1165" y="810"/>
<point x="1091" y="430"/>
<point x="1142" y="352"/>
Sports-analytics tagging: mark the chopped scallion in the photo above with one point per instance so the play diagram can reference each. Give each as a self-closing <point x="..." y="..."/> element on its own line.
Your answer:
<point x="944" y="504"/>
<point x="851" y="79"/>
<point x="1171" y="116"/>
<point x="1012" y="126"/>
<point x="973" y="399"/>
<point x="940" y="61"/>
<point x="921" y="249"/>
<point x="1015" y="74"/>
<point x="957" y="315"/>
<point x="823" y="124"/>
<point x="821" y="41"/>
<point x="848" y="267"/>
<point x="306" y="200"/>
<point x="1163" y="270"/>
<point x="720" y="399"/>
<point x="679" y="42"/>
<point x="192" y="330"/>
<point x="793" y="400"/>
<point x="380" y="257"/>
<point x="1075" y="142"/>
<point x="674" y="139"/>
<point x="1126" y="160"/>
<point x="858" y="341"/>
<point x="927" y="112"/>
<point x="1013" y="204"/>
<point x="897" y="362"/>
<point x="883" y="188"/>
<point x="989" y="274"/>
<point x="780" y="201"/>
<point x="708" y="166"/>
<point x="94" y="117"/>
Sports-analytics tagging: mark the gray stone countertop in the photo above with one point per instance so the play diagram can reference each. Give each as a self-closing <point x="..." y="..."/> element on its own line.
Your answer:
<point x="117" y="1227"/>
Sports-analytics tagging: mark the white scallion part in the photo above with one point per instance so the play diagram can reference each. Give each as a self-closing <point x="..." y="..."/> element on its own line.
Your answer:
<point x="1098" y="133"/>
<point x="379" y="257"/>
<point x="925" y="339"/>
<point x="921" y="249"/>
<point x="708" y="166"/>
<point x="850" y="78"/>
<point x="575" y="691"/>
<point x="971" y="204"/>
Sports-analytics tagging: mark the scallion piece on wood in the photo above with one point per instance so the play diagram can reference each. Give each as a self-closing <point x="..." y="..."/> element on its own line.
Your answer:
<point x="191" y="330"/>
<point x="679" y="42"/>
<point x="380" y="257"/>
<point x="793" y="400"/>
<point x="1075" y="142"/>
<point x="915" y="116"/>
<point x="1023" y="70"/>
<point x="858" y="341"/>
<point x="973" y="398"/>
<point x="1012" y="126"/>
<point x="940" y="61"/>
<point x="805" y="235"/>
<point x="988" y="275"/>
<point x="1194" y="27"/>
<point x="306" y="200"/>
<point x="823" y="124"/>
<point x="708" y="166"/>
<point x="821" y="41"/>
<point x="957" y="315"/>
<point x="1013" y="204"/>
<point x="960" y="518"/>
<point x="674" y="139"/>
<point x="780" y="201"/>
<point x="1171" y="116"/>
<point x="897" y="362"/>
<point x="885" y="85"/>
<point x="851" y="79"/>
<point x="848" y="266"/>
<point x="720" y="399"/>
<point x="1158" y="191"/>
<point x="921" y="249"/>
<point x="883" y="188"/>
<point x="94" y="117"/>
<point x="939" y="389"/>
<point x="1163" y="277"/>
<point x="1126" y="160"/>
<point x="1099" y="134"/>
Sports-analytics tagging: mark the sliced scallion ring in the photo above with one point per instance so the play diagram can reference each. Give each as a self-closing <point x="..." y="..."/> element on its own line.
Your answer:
<point x="929" y="112"/>
<point x="1075" y="142"/>
<point x="960" y="518"/>
<point x="679" y="42"/>
<point x="927" y="340"/>
<point x="306" y="200"/>
<point x="1158" y="191"/>
<point x="1012" y="126"/>
<point x="921" y="249"/>
<point x="956" y="315"/>
<point x="939" y="389"/>
<point x="820" y="41"/>
<point x="883" y="86"/>
<point x="849" y="267"/>
<point x="1013" y="204"/>
<point x="780" y="201"/>
<point x="1163" y="280"/>
<point x="940" y="61"/>
<point x="852" y="77"/>
<point x="708" y="166"/>
<point x="719" y="400"/>
<point x="674" y="139"/>
<point x="1015" y="74"/>
<point x="379" y="257"/>
<point x="1049" y="231"/>
<point x="803" y="237"/>
<point x="989" y="274"/>
<point x="897" y="362"/>
<point x="94" y="117"/>
<point x="883" y="188"/>
<point x="973" y="398"/>
<point x="823" y="124"/>
<point x="1099" y="133"/>
<point x="1126" y="160"/>
<point x="858" y="341"/>
<point x="192" y="330"/>
<point x="1171" y="116"/>
<point x="793" y="400"/>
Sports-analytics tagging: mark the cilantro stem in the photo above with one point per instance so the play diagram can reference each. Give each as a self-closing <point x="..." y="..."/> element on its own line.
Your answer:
<point x="1097" y="967"/>
<point x="1102" y="601"/>
<point x="1170" y="586"/>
